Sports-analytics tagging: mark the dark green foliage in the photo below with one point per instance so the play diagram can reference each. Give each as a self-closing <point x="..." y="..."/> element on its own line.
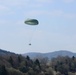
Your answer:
<point x="11" y="61"/>
<point x="73" y="57"/>
<point x="12" y="71"/>
<point x="19" y="59"/>
<point x="19" y="65"/>
<point x="32" y="72"/>
<point x="62" y="69"/>
<point x="3" y="70"/>
<point x="28" y="58"/>
<point x="24" y="69"/>
<point x="64" y="64"/>
<point x="37" y="63"/>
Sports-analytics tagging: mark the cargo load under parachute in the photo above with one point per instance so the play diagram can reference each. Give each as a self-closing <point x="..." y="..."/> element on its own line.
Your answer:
<point x="31" y="22"/>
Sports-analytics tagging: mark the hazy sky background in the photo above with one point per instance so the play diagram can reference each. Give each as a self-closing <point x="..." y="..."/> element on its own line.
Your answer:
<point x="56" y="29"/>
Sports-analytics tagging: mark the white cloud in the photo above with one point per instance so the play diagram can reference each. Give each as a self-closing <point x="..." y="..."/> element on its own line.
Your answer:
<point x="36" y="12"/>
<point x="44" y="1"/>
<point x="69" y="15"/>
<point x="3" y="22"/>
<point x="45" y="12"/>
<point x="14" y="2"/>
<point x="54" y="13"/>
<point x="68" y="1"/>
<point x="25" y="2"/>
<point x="4" y="8"/>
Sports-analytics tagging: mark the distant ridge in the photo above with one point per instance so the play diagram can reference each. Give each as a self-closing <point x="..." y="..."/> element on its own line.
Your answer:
<point x="51" y="54"/>
<point x="36" y="54"/>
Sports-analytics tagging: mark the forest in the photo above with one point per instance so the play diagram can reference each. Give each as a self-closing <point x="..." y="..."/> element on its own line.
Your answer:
<point x="16" y="64"/>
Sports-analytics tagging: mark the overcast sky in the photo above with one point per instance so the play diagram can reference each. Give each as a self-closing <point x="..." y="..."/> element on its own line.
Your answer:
<point x="56" y="29"/>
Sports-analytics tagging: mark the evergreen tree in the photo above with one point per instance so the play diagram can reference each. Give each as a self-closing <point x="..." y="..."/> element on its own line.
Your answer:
<point x="73" y="58"/>
<point x="19" y="59"/>
<point x="28" y="58"/>
<point x="37" y="63"/>
<point x="11" y="61"/>
<point x="3" y="70"/>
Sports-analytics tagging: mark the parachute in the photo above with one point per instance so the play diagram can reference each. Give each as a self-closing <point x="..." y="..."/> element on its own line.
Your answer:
<point x="31" y="22"/>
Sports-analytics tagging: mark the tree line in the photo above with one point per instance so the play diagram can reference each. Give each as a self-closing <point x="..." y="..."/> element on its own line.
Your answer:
<point x="19" y="65"/>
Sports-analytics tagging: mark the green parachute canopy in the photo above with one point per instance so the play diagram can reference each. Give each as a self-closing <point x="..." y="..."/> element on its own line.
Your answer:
<point x="31" y="22"/>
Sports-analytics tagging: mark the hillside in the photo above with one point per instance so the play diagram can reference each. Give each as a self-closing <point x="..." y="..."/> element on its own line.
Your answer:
<point x="4" y="52"/>
<point x="15" y="64"/>
<point x="51" y="54"/>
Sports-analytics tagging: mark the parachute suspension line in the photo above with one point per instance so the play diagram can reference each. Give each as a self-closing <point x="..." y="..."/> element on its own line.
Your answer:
<point x="32" y="35"/>
<point x="31" y="22"/>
